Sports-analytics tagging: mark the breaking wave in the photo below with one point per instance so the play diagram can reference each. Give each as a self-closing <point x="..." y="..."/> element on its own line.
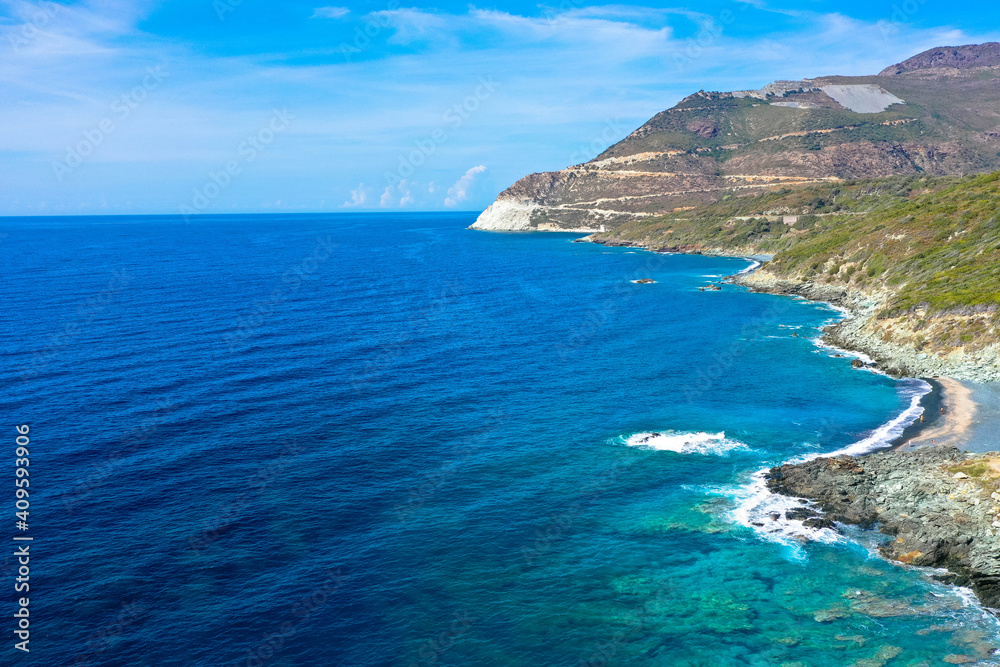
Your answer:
<point x="684" y="443"/>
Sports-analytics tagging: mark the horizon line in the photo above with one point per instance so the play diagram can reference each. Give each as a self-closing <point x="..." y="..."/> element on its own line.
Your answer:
<point x="217" y="215"/>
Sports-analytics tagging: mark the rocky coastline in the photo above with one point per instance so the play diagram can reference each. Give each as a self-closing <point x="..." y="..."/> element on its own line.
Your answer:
<point x="941" y="506"/>
<point x="860" y="332"/>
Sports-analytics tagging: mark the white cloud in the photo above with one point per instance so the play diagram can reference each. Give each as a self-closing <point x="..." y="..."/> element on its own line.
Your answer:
<point x="460" y="191"/>
<point x="402" y="190"/>
<point x="591" y="68"/>
<point x="330" y="12"/>
<point x="613" y="31"/>
<point x="359" y="197"/>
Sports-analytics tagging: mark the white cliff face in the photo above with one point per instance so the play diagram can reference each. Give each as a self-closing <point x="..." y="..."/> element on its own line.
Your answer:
<point x="867" y="98"/>
<point x="511" y="215"/>
<point x="506" y="215"/>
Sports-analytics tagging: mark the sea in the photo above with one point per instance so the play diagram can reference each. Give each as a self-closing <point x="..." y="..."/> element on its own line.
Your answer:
<point x="386" y="439"/>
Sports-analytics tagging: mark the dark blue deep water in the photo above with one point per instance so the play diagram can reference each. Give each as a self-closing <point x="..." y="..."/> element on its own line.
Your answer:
<point x="388" y="440"/>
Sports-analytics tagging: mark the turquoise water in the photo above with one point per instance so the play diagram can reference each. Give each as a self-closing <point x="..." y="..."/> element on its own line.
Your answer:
<point x="389" y="440"/>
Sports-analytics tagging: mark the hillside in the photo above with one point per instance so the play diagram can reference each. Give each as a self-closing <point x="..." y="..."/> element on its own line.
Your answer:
<point x="957" y="57"/>
<point x="935" y="114"/>
<point x="917" y="260"/>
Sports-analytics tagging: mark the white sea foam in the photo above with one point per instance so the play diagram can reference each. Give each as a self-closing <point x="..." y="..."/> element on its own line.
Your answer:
<point x="753" y="267"/>
<point x="765" y="512"/>
<point x="685" y="443"/>
<point x="850" y="354"/>
<point x="891" y="430"/>
<point x="843" y="311"/>
<point x="965" y="595"/>
<point x="970" y="601"/>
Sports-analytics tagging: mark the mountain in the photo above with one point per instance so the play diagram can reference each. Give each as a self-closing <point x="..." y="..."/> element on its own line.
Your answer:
<point x="935" y="114"/>
<point x="950" y="57"/>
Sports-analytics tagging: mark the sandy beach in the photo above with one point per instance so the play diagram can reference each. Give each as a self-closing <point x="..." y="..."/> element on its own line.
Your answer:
<point x="950" y="427"/>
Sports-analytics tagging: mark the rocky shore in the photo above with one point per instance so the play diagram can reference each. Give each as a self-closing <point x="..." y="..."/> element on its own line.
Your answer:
<point x="888" y="344"/>
<point x="941" y="506"/>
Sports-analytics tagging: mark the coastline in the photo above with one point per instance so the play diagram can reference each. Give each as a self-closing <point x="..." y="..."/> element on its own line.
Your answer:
<point x="949" y="413"/>
<point x="941" y="505"/>
<point x="949" y="409"/>
<point x="859" y="332"/>
<point x="862" y="331"/>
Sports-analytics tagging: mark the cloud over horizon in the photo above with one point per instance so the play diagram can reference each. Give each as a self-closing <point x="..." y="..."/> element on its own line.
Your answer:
<point x="330" y="12"/>
<point x="459" y="192"/>
<point x="368" y="87"/>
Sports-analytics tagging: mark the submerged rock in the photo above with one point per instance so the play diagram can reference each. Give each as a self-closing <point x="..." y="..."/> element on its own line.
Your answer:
<point x="937" y="520"/>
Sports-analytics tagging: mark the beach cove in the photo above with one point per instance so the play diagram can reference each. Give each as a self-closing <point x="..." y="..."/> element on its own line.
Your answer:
<point x="943" y="418"/>
<point x="941" y="503"/>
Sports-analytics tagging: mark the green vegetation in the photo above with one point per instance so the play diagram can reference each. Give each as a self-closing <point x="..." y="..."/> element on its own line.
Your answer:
<point x="756" y="221"/>
<point x="934" y="243"/>
<point x="971" y="468"/>
<point x="983" y="472"/>
<point x="940" y="249"/>
<point x="949" y="114"/>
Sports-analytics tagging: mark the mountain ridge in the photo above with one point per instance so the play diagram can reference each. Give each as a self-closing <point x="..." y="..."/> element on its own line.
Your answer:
<point x="954" y="57"/>
<point x="926" y="118"/>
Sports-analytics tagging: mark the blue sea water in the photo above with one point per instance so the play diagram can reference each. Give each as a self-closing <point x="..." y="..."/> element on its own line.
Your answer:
<point x="389" y="440"/>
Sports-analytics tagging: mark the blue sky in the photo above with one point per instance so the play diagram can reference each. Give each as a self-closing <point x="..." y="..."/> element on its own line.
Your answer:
<point x="222" y="106"/>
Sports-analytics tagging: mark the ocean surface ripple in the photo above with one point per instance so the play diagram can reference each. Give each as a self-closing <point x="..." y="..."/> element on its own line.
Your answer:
<point x="388" y="440"/>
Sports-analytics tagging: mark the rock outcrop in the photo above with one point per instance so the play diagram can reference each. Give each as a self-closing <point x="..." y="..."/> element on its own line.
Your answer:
<point x="891" y="343"/>
<point x="507" y="214"/>
<point x="940" y="505"/>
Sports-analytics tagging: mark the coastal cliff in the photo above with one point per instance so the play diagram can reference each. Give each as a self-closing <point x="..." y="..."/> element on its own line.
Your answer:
<point x="913" y="260"/>
<point x="933" y="114"/>
<point x="941" y="506"/>
<point x="896" y="345"/>
<point x="858" y="187"/>
<point x="874" y="194"/>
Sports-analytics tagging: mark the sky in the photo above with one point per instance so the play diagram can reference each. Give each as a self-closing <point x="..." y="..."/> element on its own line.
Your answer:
<point x="229" y="106"/>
